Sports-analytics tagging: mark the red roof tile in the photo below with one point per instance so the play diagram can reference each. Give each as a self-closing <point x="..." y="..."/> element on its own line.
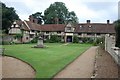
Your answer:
<point x="95" y="28"/>
<point x="80" y="28"/>
<point x="53" y="27"/>
<point x="33" y="26"/>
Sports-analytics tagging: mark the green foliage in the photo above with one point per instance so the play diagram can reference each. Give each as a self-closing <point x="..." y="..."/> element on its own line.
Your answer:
<point x="58" y="13"/>
<point x="5" y="43"/>
<point x="72" y="17"/>
<point x="38" y="16"/>
<point x="8" y="17"/>
<point x="75" y="39"/>
<point x="34" y="40"/>
<point x="54" y="39"/>
<point x="117" y="29"/>
<point x="87" y="40"/>
<point x="18" y="36"/>
<point x="47" y="40"/>
<point x="100" y="42"/>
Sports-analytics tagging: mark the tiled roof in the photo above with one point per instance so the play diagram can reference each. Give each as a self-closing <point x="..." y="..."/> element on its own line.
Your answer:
<point x="53" y="27"/>
<point x="19" y="22"/>
<point x="33" y="26"/>
<point x="80" y="28"/>
<point x="95" y="28"/>
<point x="24" y="27"/>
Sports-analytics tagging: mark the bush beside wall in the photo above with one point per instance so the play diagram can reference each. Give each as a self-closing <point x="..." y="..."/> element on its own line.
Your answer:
<point x="75" y="39"/>
<point x="53" y="39"/>
<point x="117" y="29"/>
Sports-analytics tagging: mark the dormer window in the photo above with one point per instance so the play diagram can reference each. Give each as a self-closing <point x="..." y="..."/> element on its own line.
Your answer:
<point x="59" y="32"/>
<point x="69" y="25"/>
<point x="17" y="26"/>
<point x="47" y="32"/>
<point x="33" y="31"/>
<point x="14" y="23"/>
<point x="89" y="26"/>
<point x="80" y="26"/>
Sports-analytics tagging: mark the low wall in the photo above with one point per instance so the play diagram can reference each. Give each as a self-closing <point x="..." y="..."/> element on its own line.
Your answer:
<point x="110" y="48"/>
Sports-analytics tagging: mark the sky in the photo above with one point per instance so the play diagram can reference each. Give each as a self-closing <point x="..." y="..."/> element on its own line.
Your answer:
<point x="94" y="10"/>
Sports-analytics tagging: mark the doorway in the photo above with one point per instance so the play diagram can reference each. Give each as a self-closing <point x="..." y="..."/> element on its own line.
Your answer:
<point x="69" y="39"/>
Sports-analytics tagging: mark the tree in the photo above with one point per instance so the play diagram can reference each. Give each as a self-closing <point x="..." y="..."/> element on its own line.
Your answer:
<point x="117" y="29"/>
<point x="38" y="16"/>
<point x="57" y="13"/>
<point x="72" y="16"/>
<point x="8" y="17"/>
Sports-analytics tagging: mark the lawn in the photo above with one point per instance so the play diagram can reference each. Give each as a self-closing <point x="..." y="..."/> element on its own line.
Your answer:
<point x="47" y="61"/>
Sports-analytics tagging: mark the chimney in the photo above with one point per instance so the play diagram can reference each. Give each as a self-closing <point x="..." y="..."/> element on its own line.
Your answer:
<point x="108" y="21"/>
<point x="36" y="21"/>
<point x="88" y="21"/>
<point x="31" y="18"/>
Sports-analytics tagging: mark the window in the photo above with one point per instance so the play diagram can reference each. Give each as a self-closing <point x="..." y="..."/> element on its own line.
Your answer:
<point x="89" y="33"/>
<point x="33" y="31"/>
<point x="47" y="32"/>
<point x="79" y="33"/>
<point x="80" y="26"/>
<point x="27" y="38"/>
<point x="31" y="36"/>
<point x="98" y="33"/>
<point x="59" y="32"/>
<point x="89" y="26"/>
<point x="68" y="28"/>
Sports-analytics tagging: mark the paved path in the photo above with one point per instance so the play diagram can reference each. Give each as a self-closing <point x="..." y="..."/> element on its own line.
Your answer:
<point x="14" y="68"/>
<point x="82" y="67"/>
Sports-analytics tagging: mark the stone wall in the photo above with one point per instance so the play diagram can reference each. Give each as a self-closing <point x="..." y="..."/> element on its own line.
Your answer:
<point x="110" y="48"/>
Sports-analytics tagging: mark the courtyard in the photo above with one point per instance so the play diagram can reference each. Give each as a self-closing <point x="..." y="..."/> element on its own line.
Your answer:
<point x="47" y="61"/>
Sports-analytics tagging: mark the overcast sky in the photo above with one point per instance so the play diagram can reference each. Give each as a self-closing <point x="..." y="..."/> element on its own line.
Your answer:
<point x="94" y="10"/>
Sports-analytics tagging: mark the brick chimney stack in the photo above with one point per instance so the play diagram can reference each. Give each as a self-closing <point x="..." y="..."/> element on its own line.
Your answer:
<point x="108" y="21"/>
<point x="36" y="21"/>
<point x="31" y="18"/>
<point x="88" y="21"/>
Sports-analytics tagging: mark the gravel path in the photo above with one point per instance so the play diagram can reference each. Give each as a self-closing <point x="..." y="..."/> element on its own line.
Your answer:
<point x="106" y="66"/>
<point x="0" y="67"/>
<point x="82" y="67"/>
<point x="14" y="68"/>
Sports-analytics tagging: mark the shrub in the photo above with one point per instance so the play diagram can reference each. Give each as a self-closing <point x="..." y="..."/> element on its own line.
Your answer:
<point x="5" y="43"/>
<point x="117" y="29"/>
<point x="18" y="36"/>
<point x="47" y="40"/>
<point x="75" y="39"/>
<point x="100" y="42"/>
<point x="34" y="40"/>
<point x="54" y="39"/>
<point x="87" y="40"/>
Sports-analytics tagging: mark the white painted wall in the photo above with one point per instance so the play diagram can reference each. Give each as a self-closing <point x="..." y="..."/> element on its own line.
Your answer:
<point x="110" y="48"/>
<point x="15" y="31"/>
